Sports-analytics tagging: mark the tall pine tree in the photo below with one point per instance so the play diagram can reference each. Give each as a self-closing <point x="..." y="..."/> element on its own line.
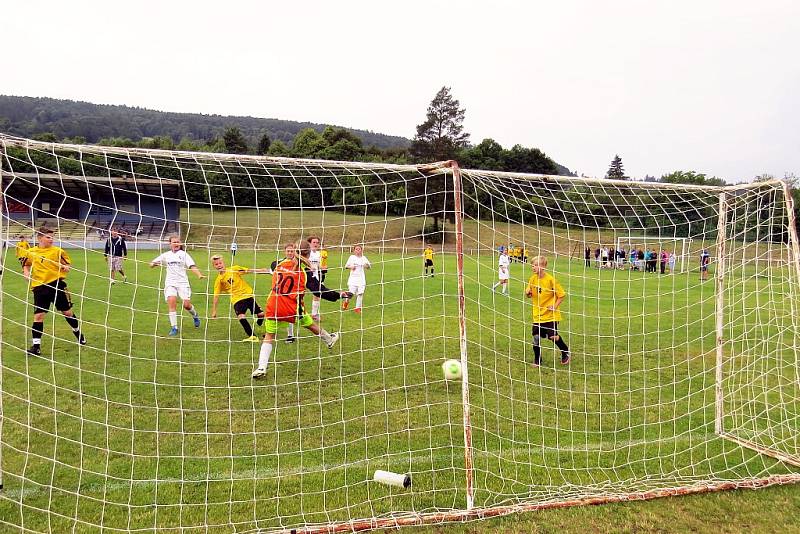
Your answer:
<point x="442" y="133"/>
<point x="263" y="145"/>
<point x="615" y="170"/>
<point x="235" y="143"/>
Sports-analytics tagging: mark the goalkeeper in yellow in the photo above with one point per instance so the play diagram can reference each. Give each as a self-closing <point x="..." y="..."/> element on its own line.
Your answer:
<point x="46" y="266"/>
<point x="230" y="281"/>
<point x="546" y="295"/>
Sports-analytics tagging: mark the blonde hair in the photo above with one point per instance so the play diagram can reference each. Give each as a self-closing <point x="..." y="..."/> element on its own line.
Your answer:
<point x="541" y="261"/>
<point x="216" y="257"/>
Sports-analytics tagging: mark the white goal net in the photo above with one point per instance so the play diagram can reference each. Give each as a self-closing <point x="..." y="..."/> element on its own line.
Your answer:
<point x="670" y="383"/>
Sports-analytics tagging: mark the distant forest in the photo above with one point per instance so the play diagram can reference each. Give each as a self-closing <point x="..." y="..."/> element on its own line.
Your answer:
<point x="29" y="116"/>
<point x="50" y="119"/>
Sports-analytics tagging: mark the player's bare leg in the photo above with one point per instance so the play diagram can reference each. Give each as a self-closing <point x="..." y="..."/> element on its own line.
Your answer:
<point x="329" y="339"/>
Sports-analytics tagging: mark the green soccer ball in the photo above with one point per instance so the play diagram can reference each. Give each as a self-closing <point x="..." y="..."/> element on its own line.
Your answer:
<point x="452" y="369"/>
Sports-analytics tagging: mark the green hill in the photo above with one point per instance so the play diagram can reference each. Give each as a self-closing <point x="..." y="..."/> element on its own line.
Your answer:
<point x="29" y="116"/>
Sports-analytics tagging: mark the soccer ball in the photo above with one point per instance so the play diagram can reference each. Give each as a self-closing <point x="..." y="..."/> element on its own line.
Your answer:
<point x="452" y="369"/>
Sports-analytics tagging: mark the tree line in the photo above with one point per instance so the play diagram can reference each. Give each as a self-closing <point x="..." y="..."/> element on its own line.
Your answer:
<point x="439" y="137"/>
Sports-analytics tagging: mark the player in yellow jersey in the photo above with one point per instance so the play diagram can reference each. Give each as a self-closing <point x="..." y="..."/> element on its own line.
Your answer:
<point x="46" y="266"/>
<point x="230" y="281"/>
<point x="546" y="295"/>
<point x="428" y="255"/>
<point x="22" y="249"/>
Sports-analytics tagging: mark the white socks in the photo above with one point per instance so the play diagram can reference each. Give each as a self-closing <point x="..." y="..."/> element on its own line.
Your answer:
<point x="173" y="319"/>
<point x="359" y="299"/>
<point x="290" y="330"/>
<point x="324" y="335"/>
<point x="264" y="354"/>
<point x="193" y="311"/>
<point x="315" y="307"/>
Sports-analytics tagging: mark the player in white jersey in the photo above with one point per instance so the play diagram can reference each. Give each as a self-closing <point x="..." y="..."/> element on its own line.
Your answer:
<point x="357" y="282"/>
<point x="314" y="259"/>
<point x="503" y="265"/>
<point x="178" y="261"/>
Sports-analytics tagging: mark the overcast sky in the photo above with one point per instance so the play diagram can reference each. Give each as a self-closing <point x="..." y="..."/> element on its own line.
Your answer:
<point x="709" y="86"/>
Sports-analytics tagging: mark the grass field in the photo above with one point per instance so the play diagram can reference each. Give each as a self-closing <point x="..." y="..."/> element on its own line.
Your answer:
<point x="137" y="431"/>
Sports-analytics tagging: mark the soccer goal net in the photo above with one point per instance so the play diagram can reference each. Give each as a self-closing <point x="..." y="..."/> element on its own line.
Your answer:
<point x="639" y="384"/>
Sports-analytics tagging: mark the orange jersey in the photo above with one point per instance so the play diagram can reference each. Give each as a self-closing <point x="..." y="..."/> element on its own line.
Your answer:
<point x="285" y="301"/>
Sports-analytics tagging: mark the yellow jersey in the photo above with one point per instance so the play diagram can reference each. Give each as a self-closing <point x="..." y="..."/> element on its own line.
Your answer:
<point x="45" y="264"/>
<point x="231" y="282"/>
<point x="323" y="259"/>
<point x="544" y="292"/>
<point x="429" y="254"/>
<point x="22" y="249"/>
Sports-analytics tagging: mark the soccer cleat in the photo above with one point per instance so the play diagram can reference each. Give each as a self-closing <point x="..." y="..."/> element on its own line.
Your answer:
<point x="345" y="304"/>
<point x="81" y="338"/>
<point x="357" y="310"/>
<point x="197" y="322"/>
<point x="565" y="358"/>
<point x="113" y="282"/>
<point x="124" y="279"/>
<point x="35" y="350"/>
<point x="289" y="339"/>
<point x="173" y="331"/>
<point x="259" y="372"/>
<point x="334" y="339"/>
<point x="254" y="339"/>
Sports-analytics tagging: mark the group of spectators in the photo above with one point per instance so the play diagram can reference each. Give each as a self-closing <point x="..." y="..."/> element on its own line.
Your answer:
<point x="646" y="260"/>
<point x="515" y="253"/>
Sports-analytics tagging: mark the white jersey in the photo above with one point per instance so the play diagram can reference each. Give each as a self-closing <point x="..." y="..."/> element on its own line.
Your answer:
<point x="503" y="264"/>
<point x="314" y="259"/>
<point x="176" y="263"/>
<point x="357" y="277"/>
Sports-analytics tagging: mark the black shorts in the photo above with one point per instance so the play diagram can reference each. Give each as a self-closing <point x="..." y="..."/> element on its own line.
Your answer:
<point x="322" y="274"/>
<point x="46" y="295"/>
<point x="545" y="330"/>
<point x="245" y="305"/>
<point x="428" y="263"/>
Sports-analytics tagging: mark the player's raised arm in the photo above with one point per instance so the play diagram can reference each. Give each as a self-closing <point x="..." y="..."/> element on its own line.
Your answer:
<point x="259" y="270"/>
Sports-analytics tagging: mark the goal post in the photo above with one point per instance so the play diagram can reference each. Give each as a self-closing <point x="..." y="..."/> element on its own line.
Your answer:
<point x="669" y="385"/>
